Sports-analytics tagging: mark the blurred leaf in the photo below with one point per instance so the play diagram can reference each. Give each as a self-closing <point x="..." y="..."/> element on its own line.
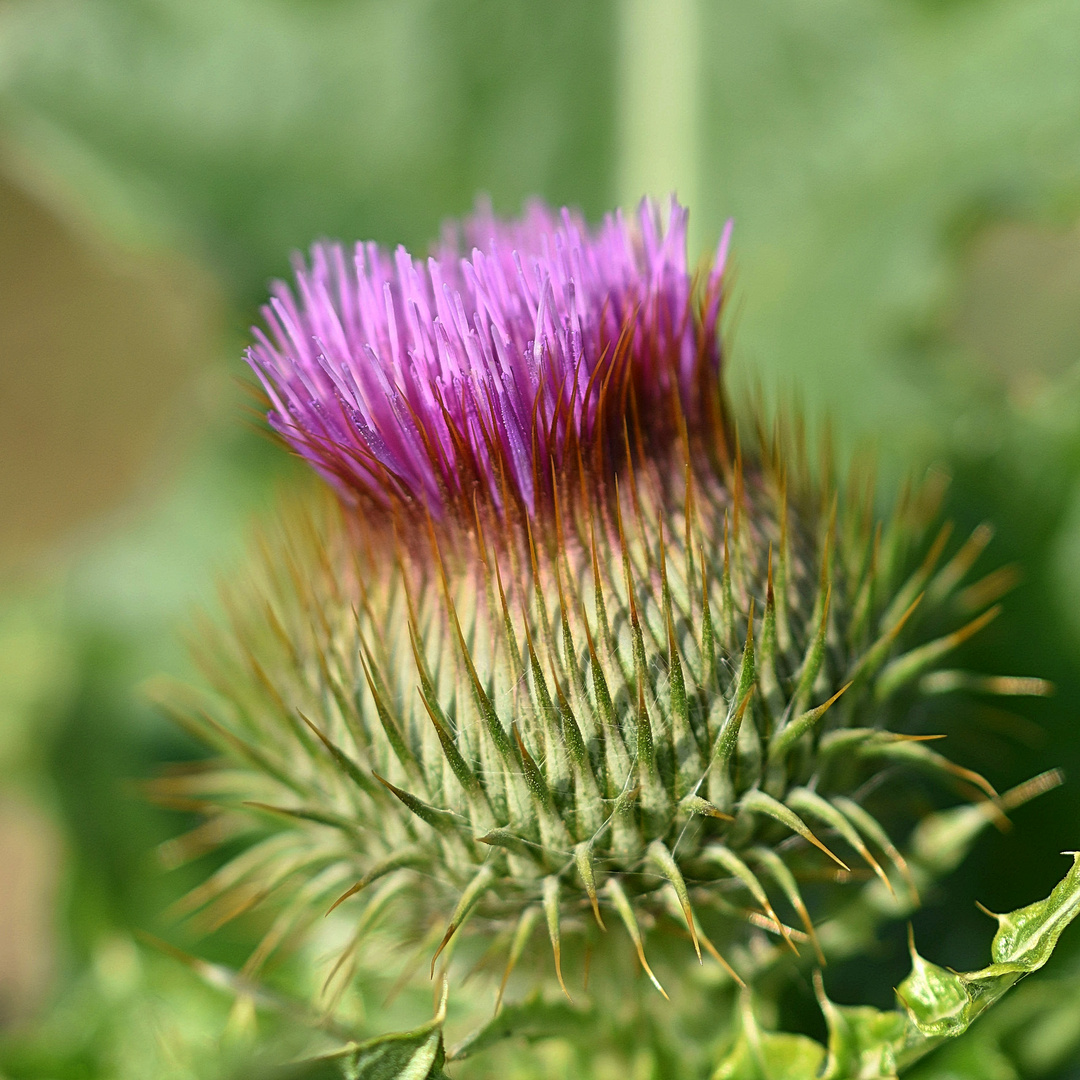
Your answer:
<point x="774" y="1057"/>
<point x="531" y="1019"/>
<point x="855" y="144"/>
<point x="245" y="129"/>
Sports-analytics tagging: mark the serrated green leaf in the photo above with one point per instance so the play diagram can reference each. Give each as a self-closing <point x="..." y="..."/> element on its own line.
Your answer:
<point x="1027" y="937"/>
<point x="407" y="1055"/>
<point x="402" y="1055"/>
<point x="936" y="999"/>
<point x="937" y="1005"/>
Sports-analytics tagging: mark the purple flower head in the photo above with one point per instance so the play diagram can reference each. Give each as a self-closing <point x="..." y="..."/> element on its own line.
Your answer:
<point x="481" y="373"/>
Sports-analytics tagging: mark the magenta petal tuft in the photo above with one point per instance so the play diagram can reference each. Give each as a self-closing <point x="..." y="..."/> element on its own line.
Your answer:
<point x="488" y="363"/>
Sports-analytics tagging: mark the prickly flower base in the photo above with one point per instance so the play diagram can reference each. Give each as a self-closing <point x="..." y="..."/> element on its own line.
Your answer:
<point x="634" y="699"/>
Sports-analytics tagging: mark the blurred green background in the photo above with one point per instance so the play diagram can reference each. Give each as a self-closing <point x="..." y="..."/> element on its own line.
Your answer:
<point x="905" y="181"/>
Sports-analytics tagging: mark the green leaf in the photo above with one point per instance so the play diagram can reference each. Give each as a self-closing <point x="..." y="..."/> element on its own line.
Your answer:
<point x="937" y="1005"/>
<point x="407" y="1055"/>
<point x="403" y="1055"/>
<point x="942" y="1004"/>
<point x="862" y="1042"/>
<point x="935" y="998"/>
<point x="413" y="1056"/>
<point x="1027" y="937"/>
<point x="531" y="1019"/>
<point x="768" y="1055"/>
<point x="772" y="1057"/>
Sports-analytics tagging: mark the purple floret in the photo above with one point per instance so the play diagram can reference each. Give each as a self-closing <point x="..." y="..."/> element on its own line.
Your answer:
<point x="432" y="381"/>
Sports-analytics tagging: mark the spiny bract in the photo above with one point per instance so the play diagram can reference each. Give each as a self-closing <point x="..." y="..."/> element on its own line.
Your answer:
<point x="561" y="650"/>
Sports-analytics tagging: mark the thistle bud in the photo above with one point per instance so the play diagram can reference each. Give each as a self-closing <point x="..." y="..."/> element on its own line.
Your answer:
<point x="563" y="650"/>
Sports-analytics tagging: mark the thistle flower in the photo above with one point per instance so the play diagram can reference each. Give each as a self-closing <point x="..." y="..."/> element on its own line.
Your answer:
<point x="562" y="650"/>
<point x="480" y="373"/>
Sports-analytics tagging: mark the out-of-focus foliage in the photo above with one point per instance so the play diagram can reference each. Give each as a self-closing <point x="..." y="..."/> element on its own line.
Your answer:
<point x="858" y="146"/>
<point x="243" y="130"/>
<point x="905" y="178"/>
<point x="853" y="143"/>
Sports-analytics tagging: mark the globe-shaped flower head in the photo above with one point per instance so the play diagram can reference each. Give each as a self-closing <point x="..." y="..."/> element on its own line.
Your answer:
<point x="563" y="649"/>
